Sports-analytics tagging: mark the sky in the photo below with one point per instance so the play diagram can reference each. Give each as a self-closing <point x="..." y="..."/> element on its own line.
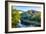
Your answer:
<point x="26" y="8"/>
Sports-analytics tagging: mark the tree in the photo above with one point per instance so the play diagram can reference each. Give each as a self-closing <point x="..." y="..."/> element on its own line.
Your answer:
<point x="37" y="17"/>
<point x="15" y="17"/>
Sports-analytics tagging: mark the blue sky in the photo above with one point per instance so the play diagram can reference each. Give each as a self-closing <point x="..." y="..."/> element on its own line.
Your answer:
<point x="25" y="8"/>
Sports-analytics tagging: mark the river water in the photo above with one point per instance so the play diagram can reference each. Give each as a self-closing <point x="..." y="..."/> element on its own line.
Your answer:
<point x="24" y="24"/>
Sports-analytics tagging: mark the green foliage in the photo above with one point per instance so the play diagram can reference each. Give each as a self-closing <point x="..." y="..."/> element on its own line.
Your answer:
<point x="36" y="17"/>
<point x="15" y="17"/>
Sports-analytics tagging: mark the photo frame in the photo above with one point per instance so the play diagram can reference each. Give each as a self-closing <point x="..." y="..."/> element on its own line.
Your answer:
<point x="23" y="16"/>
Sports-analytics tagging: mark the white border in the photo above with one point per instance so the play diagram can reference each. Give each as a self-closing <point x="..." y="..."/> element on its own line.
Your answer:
<point x="10" y="29"/>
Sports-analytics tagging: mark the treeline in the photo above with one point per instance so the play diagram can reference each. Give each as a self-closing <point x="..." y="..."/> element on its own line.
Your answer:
<point x="32" y="15"/>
